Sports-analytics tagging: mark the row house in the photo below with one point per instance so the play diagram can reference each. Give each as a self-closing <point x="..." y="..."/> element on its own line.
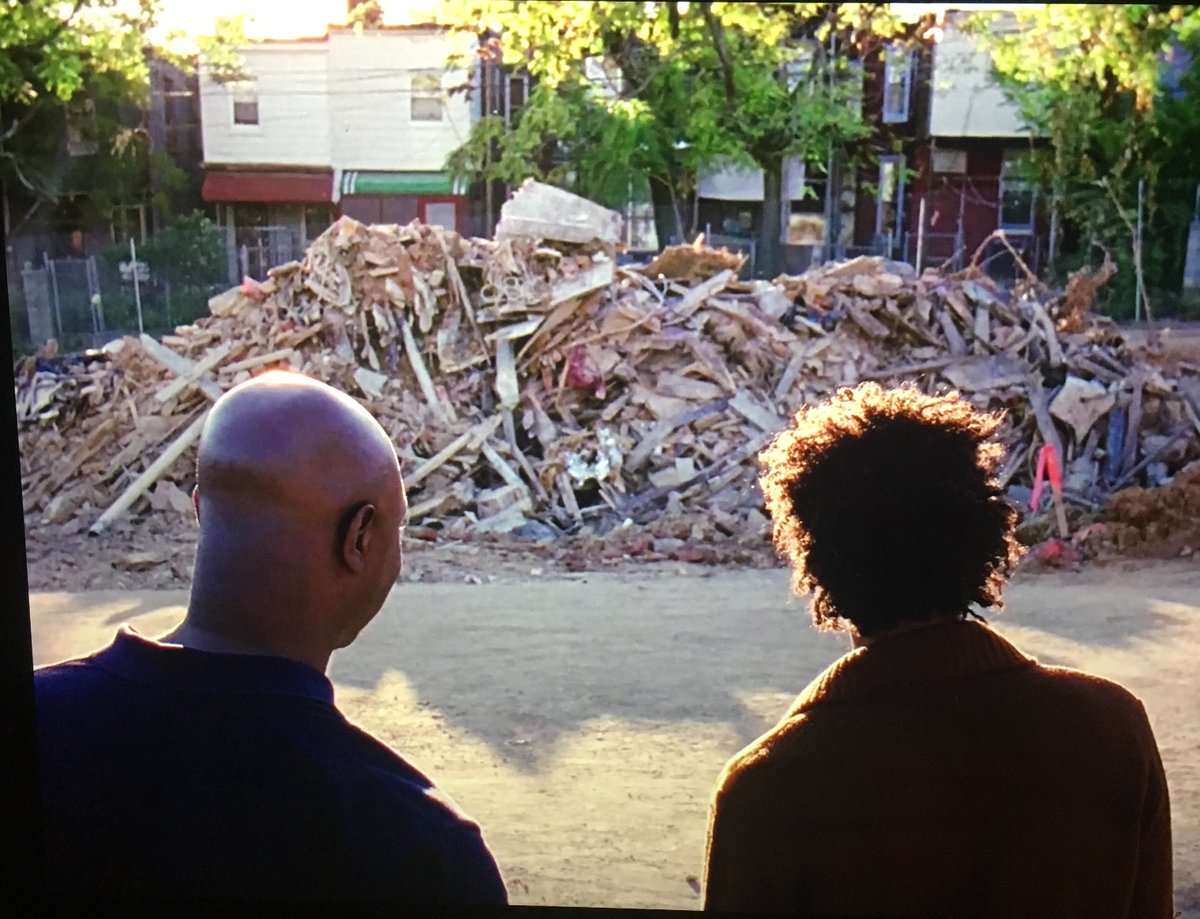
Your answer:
<point x="355" y="123"/>
<point x="971" y="165"/>
<point x="944" y="168"/>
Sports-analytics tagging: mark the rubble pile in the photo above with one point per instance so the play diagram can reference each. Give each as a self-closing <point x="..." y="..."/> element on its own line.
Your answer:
<point x="533" y="386"/>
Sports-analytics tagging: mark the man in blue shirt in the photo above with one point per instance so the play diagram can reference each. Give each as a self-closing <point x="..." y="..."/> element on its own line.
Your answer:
<point x="212" y="761"/>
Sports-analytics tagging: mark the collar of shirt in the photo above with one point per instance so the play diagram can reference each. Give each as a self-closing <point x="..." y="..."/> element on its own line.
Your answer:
<point x="932" y="654"/>
<point x="144" y="660"/>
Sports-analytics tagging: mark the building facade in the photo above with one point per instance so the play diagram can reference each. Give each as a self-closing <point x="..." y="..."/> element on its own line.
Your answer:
<point x="971" y="169"/>
<point x="355" y="123"/>
<point x="944" y="168"/>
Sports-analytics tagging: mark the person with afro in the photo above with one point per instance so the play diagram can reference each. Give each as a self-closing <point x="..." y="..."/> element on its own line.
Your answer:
<point x="935" y="770"/>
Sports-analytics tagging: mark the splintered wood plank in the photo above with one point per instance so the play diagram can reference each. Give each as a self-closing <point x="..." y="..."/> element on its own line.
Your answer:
<point x="198" y="370"/>
<point x="983" y="329"/>
<point x="249" y="363"/>
<point x="784" y="386"/>
<point x="767" y="420"/>
<point x="1129" y="452"/>
<point x="662" y="429"/>
<point x="1041" y="413"/>
<point x="180" y="366"/>
<point x="477" y="434"/>
<point x="1049" y="333"/>
<point x="139" y="486"/>
<point x="501" y="465"/>
<point x="864" y="319"/>
<point x="907" y="370"/>
<point x="954" y="339"/>
<point x="695" y="297"/>
<point x="421" y="371"/>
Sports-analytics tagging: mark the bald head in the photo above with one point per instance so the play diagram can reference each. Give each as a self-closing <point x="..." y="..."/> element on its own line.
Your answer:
<point x="285" y="442"/>
<point x="300" y="504"/>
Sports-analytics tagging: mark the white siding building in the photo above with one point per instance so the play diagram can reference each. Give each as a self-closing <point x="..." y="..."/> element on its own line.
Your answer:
<point x="349" y="123"/>
<point x="965" y="99"/>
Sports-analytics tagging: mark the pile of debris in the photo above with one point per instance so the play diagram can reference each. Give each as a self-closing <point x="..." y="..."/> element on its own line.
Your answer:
<point x="533" y="386"/>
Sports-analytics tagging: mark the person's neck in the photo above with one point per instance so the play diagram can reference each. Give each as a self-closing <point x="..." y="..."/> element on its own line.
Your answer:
<point x="200" y="633"/>
<point x="859" y="640"/>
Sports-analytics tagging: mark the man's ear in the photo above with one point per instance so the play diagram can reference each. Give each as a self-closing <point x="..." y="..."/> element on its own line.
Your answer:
<point x="357" y="538"/>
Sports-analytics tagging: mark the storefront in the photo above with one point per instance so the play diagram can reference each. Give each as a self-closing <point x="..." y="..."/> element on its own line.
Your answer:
<point x="401" y="197"/>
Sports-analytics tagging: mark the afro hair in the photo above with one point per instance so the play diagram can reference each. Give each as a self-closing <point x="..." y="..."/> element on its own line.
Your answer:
<point x="886" y="505"/>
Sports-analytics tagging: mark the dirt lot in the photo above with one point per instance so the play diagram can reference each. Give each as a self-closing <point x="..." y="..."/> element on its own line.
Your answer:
<point x="582" y="718"/>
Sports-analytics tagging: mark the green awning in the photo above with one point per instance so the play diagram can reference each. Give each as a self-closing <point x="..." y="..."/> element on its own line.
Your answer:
<point x="357" y="182"/>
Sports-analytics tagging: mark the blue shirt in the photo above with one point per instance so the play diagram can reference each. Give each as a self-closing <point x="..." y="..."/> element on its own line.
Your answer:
<point x="176" y="772"/>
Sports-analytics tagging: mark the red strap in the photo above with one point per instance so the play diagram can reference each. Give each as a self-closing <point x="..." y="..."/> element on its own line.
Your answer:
<point x="1054" y="469"/>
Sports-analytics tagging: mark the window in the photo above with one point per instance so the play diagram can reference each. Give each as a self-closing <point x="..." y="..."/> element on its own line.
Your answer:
<point x="425" y="103"/>
<point x="516" y="96"/>
<point x="441" y="214"/>
<point x="889" y="203"/>
<point x="897" y="84"/>
<point x="605" y="75"/>
<point x="1018" y="193"/>
<point x="245" y="103"/>
<point x="640" y="233"/>
<point x="128" y="222"/>
<point x="81" y="128"/>
<point x="952" y="162"/>
<point x="316" y="221"/>
<point x="802" y="69"/>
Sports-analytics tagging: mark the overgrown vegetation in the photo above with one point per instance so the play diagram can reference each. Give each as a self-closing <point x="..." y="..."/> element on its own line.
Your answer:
<point x="1115" y="92"/>
<point x="187" y="266"/>
<point x="633" y="98"/>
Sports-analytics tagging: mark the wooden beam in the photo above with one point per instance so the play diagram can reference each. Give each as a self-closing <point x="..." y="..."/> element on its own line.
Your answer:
<point x="1041" y="414"/>
<point x="180" y="366"/>
<point x="420" y="370"/>
<point x="151" y="475"/>
<point x="199" y="369"/>
<point x="478" y="433"/>
<point x="250" y="363"/>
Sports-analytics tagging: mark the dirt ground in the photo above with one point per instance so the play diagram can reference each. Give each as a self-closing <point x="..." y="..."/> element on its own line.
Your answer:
<point x="582" y="718"/>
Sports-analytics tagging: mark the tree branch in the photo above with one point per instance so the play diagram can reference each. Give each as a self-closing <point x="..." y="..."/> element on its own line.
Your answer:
<point x="717" y="31"/>
<point x="21" y="122"/>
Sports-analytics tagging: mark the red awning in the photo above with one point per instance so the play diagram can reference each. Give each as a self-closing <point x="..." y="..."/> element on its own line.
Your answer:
<point x="301" y="187"/>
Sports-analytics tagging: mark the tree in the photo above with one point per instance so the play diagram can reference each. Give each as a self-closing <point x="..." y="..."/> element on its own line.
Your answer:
<point x="364" y="14"/>
<point x="628" y="94"/>
<point x="1090" y="80"/>
<point x="48" y="49"/>
<point x="51" y="55"/>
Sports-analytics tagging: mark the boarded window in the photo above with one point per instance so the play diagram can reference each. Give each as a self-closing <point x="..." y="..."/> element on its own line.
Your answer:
<point x="949" y="162"/>
<point x="441" y="214"/>
<point x="426" y="102"/>
<point x="245" y="104"/>
<point x="897" y="84"/>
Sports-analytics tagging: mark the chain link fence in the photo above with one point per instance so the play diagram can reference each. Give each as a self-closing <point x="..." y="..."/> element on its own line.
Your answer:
<point x="85" y="302"/>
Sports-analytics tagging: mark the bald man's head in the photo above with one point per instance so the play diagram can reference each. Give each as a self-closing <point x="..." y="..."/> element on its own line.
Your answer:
<point x="297" y="485"/>
<point x="280" y="437"/>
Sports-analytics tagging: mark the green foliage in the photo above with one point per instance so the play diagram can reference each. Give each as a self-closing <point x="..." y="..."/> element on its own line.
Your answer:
<point x="189" y="250"/>
<point x="1089" y="80"/>
<point x="365" y="14"/>
<point x="47" y="47"/>
<point x="74" y="71"/>
<point x="187" y="266"/>
<point x="689" y="86"/>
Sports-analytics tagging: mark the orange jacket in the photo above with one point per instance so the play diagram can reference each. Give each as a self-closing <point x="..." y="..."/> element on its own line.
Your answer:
<point x="942" y="772"/>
